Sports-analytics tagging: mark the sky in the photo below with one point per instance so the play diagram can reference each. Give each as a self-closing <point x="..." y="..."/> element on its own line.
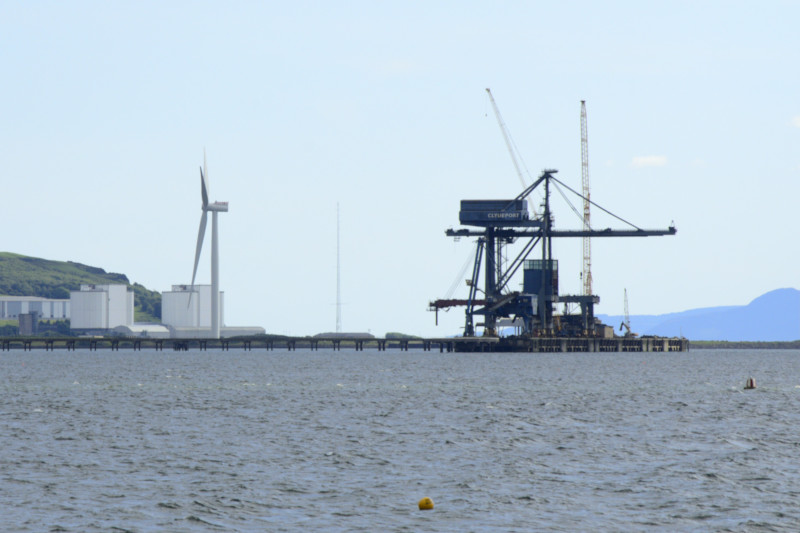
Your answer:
<point x="380" y="107"/>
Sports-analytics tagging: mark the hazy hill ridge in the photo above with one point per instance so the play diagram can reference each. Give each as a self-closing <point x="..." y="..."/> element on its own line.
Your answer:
<point x="774" y="316"/>
<point x="31" y="276"/>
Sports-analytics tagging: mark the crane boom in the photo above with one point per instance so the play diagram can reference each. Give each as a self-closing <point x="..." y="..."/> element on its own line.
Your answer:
<point x="587" y="242"/>
<point x="626" y="321"/>
<point x="507" y="138"/>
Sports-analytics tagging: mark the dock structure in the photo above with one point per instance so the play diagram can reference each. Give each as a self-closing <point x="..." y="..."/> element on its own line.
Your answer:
<point x="578" y="344"/>
<point x="226" y="344"/>
<point x="496" y="225"/>
<point x="443" y="345"/>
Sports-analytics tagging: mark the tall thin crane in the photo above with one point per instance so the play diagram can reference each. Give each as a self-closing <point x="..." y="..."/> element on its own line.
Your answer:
<point x="587" y="242"/>
<point x="626" y="321"/>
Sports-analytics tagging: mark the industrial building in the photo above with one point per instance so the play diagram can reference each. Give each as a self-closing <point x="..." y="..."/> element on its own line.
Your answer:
<point x="187" y="311"/>
<point x="153" y="331"/>
<point x="109" y="310"/>
<point x="187" y="307"/>
<point x="29" y="323"/>
<point x="14" y="306"/>
<point x="101" y="307"/>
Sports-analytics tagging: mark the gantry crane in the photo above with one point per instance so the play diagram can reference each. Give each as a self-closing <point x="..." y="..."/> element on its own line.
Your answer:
<point x="507" y="220"/>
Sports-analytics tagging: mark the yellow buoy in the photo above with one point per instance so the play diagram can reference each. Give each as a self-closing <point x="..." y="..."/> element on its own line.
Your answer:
<point x="425" y="504"/>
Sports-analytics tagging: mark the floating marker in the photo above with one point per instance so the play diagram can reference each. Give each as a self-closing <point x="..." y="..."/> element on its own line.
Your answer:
<point x="751" y="384"/>
<point x="425" y="504"/>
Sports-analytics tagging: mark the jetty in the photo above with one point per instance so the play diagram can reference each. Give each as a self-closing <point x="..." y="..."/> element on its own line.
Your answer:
<point x="270" y="343"/>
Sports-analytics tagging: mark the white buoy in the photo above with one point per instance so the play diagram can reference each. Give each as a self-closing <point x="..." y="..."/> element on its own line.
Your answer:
<point x="751" y="384"/>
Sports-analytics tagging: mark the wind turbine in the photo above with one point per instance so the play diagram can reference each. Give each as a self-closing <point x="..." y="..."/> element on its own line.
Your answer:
<point x="216" y="207"/>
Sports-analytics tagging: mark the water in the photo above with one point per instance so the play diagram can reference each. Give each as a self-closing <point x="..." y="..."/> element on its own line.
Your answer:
<point x="350" y="441"/>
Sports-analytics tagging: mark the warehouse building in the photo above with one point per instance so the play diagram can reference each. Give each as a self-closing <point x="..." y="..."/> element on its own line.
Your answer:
<point x="99" y="308"/>
<point x="13" y="306"/>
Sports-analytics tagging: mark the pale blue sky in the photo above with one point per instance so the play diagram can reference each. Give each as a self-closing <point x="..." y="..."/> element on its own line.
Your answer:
<point x="694" y="116"/>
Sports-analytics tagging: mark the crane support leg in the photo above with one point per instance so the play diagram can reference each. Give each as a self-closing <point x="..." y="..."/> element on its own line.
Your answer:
<point x="469" y="328"/>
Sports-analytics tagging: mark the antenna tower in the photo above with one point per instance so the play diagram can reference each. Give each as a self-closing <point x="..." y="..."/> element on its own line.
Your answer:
<point x="587" y="242"/>
<point x="338" y="278"/>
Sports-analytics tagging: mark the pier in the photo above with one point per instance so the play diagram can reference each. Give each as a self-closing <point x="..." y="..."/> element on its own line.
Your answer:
<point x="233" y="343"/>
<point x="581" y="344"/>
<point x="270" y="343"/>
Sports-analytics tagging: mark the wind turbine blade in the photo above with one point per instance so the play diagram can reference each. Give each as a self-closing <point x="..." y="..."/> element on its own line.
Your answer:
<point x="203" y="189"/>
<point x="200" y="234"/>
<point x="205" y="170"/>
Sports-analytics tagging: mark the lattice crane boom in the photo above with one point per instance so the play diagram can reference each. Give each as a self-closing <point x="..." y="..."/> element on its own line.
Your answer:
<point x="626" y="321"/>
<point x="506" y="138"/>
<point x="587" y="242"/>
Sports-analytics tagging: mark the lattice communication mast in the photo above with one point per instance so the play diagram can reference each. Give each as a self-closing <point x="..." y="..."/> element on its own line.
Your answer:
<point x="338" y="277"/>
<point x="587" y="241"/>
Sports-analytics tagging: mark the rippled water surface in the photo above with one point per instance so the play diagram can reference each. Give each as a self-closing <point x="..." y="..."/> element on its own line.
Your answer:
<point x="350" y="441"/>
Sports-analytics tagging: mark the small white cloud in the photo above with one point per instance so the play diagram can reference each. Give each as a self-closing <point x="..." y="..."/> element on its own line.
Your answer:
<point x="649" y="161"/>
<point x="796" y="121"/>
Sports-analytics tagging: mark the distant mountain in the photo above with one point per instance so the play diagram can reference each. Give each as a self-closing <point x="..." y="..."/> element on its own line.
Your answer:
<point x="774" y="316"/>
<point x="31" y="276"/>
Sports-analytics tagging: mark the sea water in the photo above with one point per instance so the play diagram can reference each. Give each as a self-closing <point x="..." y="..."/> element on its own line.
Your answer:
<point x="350" y="441"/>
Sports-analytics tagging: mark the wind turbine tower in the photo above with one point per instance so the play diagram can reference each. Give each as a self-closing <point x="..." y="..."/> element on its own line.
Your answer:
<point x="216" y="207"/>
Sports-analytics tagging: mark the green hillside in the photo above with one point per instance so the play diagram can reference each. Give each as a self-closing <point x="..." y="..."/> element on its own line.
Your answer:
<point x="30" y="276"/>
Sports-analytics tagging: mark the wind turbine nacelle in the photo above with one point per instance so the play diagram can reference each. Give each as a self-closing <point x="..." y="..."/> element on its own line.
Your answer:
<point x="220" y="207"/>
